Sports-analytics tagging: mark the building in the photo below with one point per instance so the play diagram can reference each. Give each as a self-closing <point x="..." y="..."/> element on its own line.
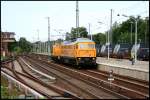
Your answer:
<point x="6" y="38"/>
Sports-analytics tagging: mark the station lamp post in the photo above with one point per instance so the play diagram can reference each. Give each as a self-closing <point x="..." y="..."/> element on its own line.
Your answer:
<point x="90" y="30"/>
<point x="107" y="37"/>
<point x="131" y="32"/>
<point x="135" y="50"/>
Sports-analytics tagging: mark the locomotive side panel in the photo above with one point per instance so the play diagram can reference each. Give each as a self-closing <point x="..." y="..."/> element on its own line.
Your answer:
<point x="56" y="52"/>
<point x="68" y="51"/>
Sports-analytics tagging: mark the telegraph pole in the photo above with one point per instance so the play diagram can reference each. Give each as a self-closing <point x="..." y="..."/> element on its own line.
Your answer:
<point x="38" y="34"/>
<point x="77" y="19"/>
<point x="111" y="28"/>
<point x="33" y="45"/>
<point x="135" y="40"/>
<point x="110" y="33"/>
<point x="146" y="19"/>
<point x="131" y="32"/>
<point x="49" y="51"/>
<point x="90" y="31"/>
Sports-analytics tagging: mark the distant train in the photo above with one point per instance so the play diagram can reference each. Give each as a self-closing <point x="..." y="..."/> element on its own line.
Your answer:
<point x="143" y="52"/>
<point x="123" y="51"/>
<point x="79" y="51"/>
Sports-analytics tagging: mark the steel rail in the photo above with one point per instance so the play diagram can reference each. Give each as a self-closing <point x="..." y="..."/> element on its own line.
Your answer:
<point x="23" y="82"/>
<point x="77" y="76"/>
<point x="122" y="90"/>
<point x="87" y="92"/>
<point x="57" y="89"/>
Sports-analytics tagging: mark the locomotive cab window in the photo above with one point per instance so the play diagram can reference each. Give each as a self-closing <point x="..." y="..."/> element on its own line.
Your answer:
<point x="86" y="46"/>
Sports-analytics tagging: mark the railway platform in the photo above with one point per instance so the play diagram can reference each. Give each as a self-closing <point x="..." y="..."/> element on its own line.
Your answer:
<point x="139" y="70"/>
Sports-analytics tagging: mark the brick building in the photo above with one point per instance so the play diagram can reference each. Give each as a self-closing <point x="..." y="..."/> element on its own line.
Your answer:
<point x="6" y="38"/>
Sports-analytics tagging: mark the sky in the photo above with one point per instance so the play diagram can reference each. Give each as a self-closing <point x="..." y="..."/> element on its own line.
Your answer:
<point x="29" y="18"/>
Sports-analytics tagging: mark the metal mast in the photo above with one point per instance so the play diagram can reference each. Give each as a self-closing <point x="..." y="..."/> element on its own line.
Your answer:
<point x="38" y="34"/>
<point x="111" y="28"/>
<point x="131" y="32"/>
<point x="49" y="51"/>
<point x="77" y="19"/>
<point x="135" y="40"/>
<point x="38" y="41"/>
<point x="90" y="31"/>
<point x="110" y="33"/>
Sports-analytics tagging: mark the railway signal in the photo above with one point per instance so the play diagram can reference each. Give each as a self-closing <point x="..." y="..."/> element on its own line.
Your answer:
<point x="110" y="78"/>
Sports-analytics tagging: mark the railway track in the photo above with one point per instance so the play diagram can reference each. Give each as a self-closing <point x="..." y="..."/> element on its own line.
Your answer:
<point x="77" y="76"/>
<point x="80" y="91"/>
<point x="22" y="76"/>
<point x="141" y="86"/>
<point x="122" y="77"/>
<point x="131" y="87"/>
<point x="141" y="83"/>
<point x="52" y="87"/>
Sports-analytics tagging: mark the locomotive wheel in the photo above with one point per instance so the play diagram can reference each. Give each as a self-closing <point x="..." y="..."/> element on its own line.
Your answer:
<point x="77" y="64"/>
<point x="79" y="67"/>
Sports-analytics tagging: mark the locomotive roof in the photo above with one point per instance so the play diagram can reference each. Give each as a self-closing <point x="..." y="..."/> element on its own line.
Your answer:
<point x="84" y="40"/>
<point x="74" y="41"/>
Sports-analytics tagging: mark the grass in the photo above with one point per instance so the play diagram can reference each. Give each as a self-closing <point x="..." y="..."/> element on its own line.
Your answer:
<point x="3" y="58"/>
<point x="6" y="93"/>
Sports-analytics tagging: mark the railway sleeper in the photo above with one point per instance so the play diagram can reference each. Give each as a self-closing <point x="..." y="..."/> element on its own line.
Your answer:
<point x="130" y="93"/>
<point x="117" y="89"/>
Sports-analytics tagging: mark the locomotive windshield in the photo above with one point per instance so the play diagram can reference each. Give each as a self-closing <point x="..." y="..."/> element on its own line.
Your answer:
<point x="86" y="46"/>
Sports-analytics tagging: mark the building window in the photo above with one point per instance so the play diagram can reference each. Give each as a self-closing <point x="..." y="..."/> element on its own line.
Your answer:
<point x="8" y="35"/>
<point x="11" y="36"/>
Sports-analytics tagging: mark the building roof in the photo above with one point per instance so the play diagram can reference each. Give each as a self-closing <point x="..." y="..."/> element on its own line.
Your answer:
<point x="8" y="33"/>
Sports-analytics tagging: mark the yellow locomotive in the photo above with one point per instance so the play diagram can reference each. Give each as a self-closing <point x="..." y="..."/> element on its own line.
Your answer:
<point x="79" y="51"/>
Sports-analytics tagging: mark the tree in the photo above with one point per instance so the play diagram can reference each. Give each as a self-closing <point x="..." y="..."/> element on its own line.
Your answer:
<point x="68" y="36"/>
<point x="20" y="46"/>
<point x="59" y="40"/>
<point x="123" y="31"/>
<point x="12" y="45"/>
<point x="83" y="32"/>
<point x="17" y="50"/>
<point x="99" y="38"/>
<point x="73" y="34"/>
<point x="25" y="45"/>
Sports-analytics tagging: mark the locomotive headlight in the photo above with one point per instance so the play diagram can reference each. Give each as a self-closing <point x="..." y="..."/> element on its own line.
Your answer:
<point x="93" y="58"/>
